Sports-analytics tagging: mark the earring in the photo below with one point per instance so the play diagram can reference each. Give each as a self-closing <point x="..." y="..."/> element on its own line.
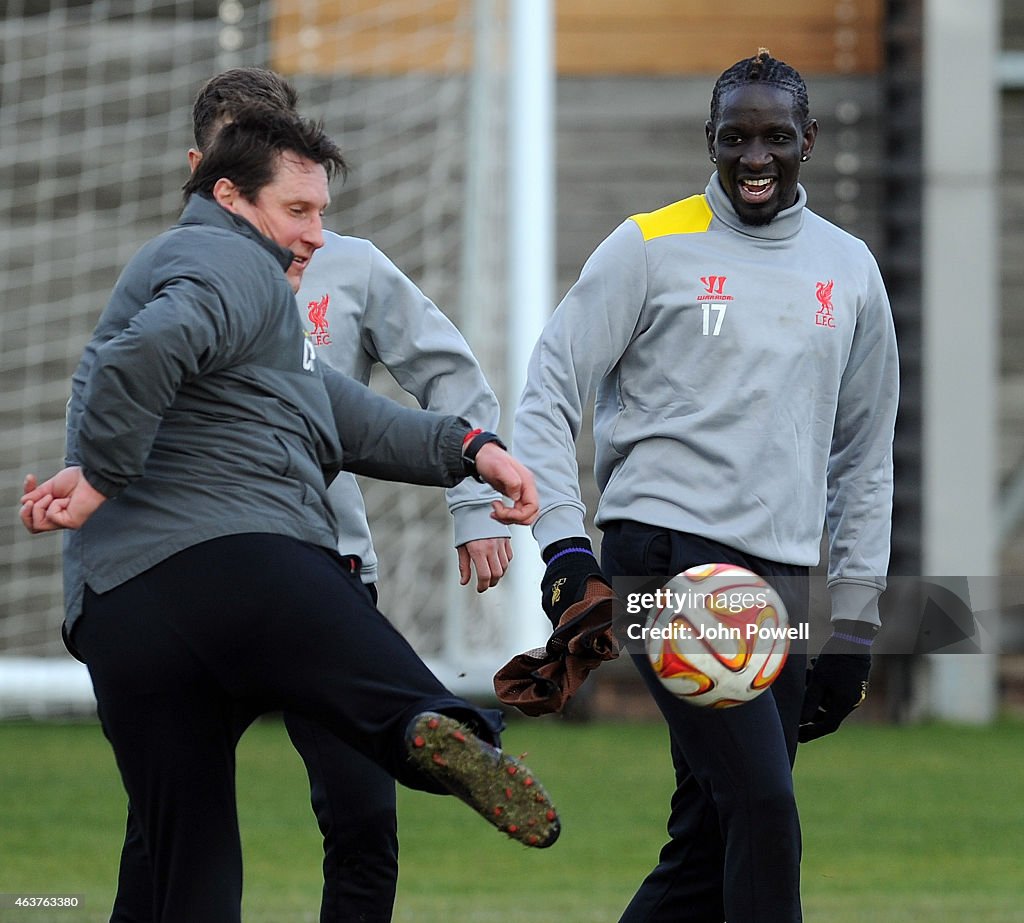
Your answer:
<point x="714" y="159"/>
<point x="805" y="158"/>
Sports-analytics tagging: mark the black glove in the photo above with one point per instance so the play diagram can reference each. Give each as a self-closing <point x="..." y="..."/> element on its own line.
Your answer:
<point x="837" y="681"/>
<point x="570" y="562"/>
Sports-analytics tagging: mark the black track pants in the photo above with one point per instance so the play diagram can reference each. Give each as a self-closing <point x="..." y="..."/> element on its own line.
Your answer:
<point x="734" y="847"/>
<point x="185" y="655"/>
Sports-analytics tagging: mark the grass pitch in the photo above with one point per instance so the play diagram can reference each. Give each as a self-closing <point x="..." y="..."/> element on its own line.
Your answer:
<point x="901" y="825"/>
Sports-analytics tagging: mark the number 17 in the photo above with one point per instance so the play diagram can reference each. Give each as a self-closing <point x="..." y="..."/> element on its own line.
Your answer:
<point x="719" y="308"/>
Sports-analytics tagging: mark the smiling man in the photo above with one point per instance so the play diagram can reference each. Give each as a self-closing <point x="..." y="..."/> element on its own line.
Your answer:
<point x="758" y="139"/>
<point x="742" y="356"/>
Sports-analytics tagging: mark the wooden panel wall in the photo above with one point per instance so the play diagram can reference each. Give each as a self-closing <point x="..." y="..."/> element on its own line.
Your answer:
<point x="665" y="37"/>
<point x="593" y="38"/>
<point x="369" y="37"/>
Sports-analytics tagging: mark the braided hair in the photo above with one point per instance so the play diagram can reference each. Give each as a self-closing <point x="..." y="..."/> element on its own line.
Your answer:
<point x="762" y="68"/>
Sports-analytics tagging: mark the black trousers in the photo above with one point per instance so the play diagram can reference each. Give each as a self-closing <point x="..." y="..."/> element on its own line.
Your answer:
<point x="185" y="656"/>
<point x="360" y="834"/>
<point x="353" y="800"/>
<point x="734" y="847"/>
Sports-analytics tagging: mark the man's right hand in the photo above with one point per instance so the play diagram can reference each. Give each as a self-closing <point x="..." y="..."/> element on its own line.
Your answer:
<point x="64" y="501"/>
<point x="512" y="479"/>
<point x="570" y="564"/>
<point x="490" y="558"/>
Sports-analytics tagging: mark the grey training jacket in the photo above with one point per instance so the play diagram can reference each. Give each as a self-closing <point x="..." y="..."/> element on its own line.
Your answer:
<point x="360" y="310"/>
<point x="199" y="408"/>
<point x="746" y="383"/>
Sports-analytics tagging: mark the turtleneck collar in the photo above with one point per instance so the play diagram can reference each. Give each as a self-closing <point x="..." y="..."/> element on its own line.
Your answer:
<point x="785" y="224"/>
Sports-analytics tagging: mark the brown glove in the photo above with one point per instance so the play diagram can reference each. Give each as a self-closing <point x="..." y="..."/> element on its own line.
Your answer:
<point x="542" y="681"/>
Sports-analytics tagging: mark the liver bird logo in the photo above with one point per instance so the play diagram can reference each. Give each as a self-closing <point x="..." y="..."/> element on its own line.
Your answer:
<point x="823" y="292"/>
<point x="318" y="314"/>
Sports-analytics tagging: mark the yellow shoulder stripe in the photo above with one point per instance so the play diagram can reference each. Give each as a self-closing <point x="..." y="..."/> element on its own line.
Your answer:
<point x="689" y="216"/>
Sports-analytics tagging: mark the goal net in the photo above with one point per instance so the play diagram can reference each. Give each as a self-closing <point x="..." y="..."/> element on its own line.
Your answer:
<point x="95" y="108"/>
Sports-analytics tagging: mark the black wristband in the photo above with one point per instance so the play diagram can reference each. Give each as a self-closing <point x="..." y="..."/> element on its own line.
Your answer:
<point x="567" y="546"/>
<point x="474" y="445"/>
<point x="570" y="563"/>
<point x="851" y="637"/>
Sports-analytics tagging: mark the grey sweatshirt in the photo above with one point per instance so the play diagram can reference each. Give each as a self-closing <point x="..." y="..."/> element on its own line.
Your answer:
<point x="746" y="385"/>
<point x="359" y="309"/>
<point x="199" y="407"/>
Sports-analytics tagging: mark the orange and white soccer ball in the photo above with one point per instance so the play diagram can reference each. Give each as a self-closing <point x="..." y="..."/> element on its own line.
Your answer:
<point x="717" y="635"/>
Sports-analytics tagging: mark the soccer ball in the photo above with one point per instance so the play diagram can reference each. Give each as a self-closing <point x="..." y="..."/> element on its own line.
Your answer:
<point x="718" y="635"/>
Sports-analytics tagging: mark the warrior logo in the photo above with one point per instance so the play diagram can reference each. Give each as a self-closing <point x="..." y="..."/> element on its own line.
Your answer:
<point x="823" y="292"/>
<point x="714" y="289"/>
<point x="713" y="285"/>
<point x="317" y="312"/>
